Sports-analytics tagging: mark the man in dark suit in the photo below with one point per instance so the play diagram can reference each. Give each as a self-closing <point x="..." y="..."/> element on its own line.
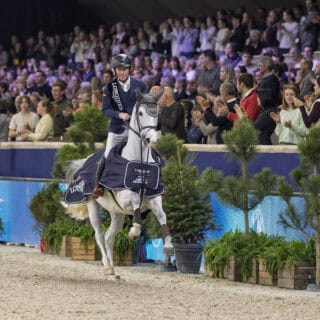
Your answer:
<point x="269" y="81"/>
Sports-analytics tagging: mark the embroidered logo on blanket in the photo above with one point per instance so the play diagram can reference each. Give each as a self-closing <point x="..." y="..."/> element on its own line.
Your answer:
<point x="139" y="174"/>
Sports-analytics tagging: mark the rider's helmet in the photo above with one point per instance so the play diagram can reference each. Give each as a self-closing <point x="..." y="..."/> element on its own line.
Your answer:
<point x="120" y="60"/>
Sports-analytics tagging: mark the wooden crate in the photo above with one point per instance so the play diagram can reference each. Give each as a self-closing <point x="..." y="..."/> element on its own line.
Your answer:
<point x="66" y="247"/>
<point x="264" y="277"/>
<point x="255" y="272"/>
<point x="297" y="276"/>
<point x="233" y="271"/>
<point x="83" y="250"/>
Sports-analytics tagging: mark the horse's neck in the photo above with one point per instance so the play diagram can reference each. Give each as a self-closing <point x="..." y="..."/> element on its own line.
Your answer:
<point x="134" y="148"/>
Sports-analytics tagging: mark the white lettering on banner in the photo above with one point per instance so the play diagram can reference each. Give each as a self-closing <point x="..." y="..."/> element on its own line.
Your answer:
<point x="115" y="96"/>
<point x="77" y="188"/>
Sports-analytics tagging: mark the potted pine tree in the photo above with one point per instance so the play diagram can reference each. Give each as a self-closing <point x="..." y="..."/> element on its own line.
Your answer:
<point x="186" y="203"/>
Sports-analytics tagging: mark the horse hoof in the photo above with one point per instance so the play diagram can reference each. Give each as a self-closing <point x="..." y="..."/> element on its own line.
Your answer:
<point x="109" y="271"/>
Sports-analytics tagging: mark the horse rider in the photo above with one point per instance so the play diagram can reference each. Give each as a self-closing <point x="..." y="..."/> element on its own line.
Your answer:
<point x="119" y="98"/>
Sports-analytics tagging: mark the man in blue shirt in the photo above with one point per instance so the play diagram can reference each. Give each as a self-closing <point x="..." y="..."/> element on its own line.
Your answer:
<point x="119" y="98"/>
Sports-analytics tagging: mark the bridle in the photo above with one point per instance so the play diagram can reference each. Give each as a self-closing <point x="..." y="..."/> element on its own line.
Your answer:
<point x="153" y="113"/>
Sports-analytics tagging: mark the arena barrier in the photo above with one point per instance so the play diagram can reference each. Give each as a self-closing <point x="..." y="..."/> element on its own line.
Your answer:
<point x="24" y="168"/>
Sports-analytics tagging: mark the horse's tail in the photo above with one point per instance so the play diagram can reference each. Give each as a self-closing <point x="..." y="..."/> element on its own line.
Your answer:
<point x="77" y="211"/>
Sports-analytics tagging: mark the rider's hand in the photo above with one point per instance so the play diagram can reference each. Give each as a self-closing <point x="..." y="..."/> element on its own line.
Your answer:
<point x="124" y="116"/>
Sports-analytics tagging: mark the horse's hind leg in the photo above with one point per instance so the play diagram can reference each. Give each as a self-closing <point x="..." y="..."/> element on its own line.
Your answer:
<point x="94" y="218"/>
<point x="116" y="225"/>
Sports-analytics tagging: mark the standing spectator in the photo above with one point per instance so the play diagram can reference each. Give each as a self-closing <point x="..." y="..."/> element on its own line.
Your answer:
<point x="176" y="70"/>
<point x="269" y="35"/>
<point x="41" y="86"/>
<point x="249" y="101"/>
<point x="269" y="81"/>
<point x="25" y="119"/>
<point x="4" y="93"/>
<point x="209" y="75"/>
<point x="3" y="56"/>
<point x="207" y="33"/>
<point x="180" y="89"/>
<point x="229" y="94"/>
<point x="172" y="115"/>
<point x="79" y="49"/>
<point x="264" y="123"/>
<point x="288" y="31"/>
<point x="253" y="42"/>
<point x="187" y="38"/>
<point x="307" y="77"/>
<point x="63" y="113"/>
<point x="222" y="36"/>
<point x="238" y="33"/>
<point x="290" y="127"/>
<point x="311" y="110"/>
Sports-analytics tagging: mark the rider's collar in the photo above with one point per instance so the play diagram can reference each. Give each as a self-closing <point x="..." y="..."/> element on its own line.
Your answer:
<point x="125" y="86"/>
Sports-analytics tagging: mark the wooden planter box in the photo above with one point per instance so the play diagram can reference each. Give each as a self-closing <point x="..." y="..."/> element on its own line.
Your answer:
<point x="264" y="277"/>
<point x="66" y="247"/>
<point x="127" y="260"/>
<point x="297" y="276"/>
<point x="83" y="251"/>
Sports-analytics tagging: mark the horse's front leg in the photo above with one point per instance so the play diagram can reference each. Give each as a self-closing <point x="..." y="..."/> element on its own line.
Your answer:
<point x="94" y="218"/>
<point x="155" y="204"/>
<point x="117" y="220"/>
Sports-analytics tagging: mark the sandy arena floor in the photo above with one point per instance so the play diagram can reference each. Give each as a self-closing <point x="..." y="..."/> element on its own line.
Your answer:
<point x="40" y="286"/>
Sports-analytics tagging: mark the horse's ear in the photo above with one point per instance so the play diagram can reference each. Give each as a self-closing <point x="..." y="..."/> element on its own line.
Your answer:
<point x="158" y="95"/>
<point x="138" y="94"/>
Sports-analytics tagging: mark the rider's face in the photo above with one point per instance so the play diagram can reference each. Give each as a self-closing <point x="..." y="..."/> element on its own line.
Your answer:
<point x="122" y="73"/>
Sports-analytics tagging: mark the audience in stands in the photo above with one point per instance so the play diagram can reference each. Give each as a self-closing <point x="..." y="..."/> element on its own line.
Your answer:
<point x="199" y="60"/>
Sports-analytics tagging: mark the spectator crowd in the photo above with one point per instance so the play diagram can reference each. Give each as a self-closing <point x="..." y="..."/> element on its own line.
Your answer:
<point x="215" y="69"/>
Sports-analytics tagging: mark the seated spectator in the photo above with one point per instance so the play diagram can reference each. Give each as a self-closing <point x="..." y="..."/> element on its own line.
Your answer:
<point x="172" y="114"/>
<point x="290" y="127"/>
<point x="246" y="61"/>
<point x="180" y="89"/>
<point x="231" y="58"/>
<point x="192" y="89"/>
<point x="307" y="77"/>
<point x="222" y="36"/>
<point x="253" y="43"/>
<point x="4" y="125"/>
<point x="44" y="128"/>
<point x="88" y="70"/>
<point x="25" y="119"/>
<point x="194" y="134"/>
<point x="227" y="74"/>
<point x="4" y="93"/>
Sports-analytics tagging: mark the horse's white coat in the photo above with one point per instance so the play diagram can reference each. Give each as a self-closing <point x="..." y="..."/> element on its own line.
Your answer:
<point x="128" y="200"/>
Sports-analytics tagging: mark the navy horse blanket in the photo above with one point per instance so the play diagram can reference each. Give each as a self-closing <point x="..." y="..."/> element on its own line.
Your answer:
<point x="118" y="174"/>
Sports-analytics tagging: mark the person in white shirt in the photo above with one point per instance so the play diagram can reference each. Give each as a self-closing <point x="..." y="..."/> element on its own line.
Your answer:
<point x="25" y="119"/>
<point x="290" y="125"/>
<point x="288" y="31"/>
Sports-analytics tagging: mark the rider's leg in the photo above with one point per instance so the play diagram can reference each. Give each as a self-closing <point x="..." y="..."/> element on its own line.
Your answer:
<point x="112" y="140"/>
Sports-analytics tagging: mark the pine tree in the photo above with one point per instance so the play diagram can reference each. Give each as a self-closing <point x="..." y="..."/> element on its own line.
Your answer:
<point x="187" y="202"/>
<point x="307" y="179"/>
<point x="245" y="192"/>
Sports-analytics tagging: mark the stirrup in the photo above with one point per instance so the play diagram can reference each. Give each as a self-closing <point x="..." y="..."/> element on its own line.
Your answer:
<point x="98" y="191"/>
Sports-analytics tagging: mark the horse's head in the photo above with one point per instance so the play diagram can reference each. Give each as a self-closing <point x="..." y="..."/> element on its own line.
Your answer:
<point x="146" y="113"/>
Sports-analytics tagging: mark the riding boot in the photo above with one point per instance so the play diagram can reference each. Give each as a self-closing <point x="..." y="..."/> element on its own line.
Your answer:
<point x="98" y="190"/>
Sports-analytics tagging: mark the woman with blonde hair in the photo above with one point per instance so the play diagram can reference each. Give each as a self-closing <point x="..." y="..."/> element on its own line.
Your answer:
<point x="227" y="74"/>
<point x="44" y="129"/>
<point x="290" y="127"/>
